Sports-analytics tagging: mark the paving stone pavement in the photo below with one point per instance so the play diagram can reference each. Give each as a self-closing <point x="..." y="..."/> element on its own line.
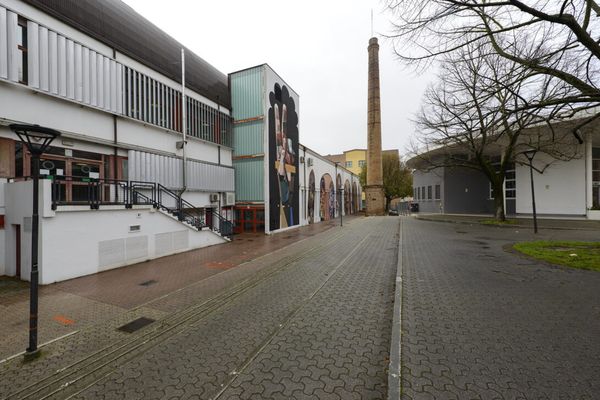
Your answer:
<point x="317" y="324"/>
<point x="481" y="323"/>
<point x="319" y="329"/>
<point x="69" y="306"/>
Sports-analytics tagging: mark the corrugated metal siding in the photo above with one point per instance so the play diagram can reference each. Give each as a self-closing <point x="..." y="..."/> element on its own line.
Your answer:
<point x="248" y="138"/>
<point x="119" y="26"/>
<point x="166" y="170"/>
<point x="247" y="93"/>
<point x="249" y="179"/>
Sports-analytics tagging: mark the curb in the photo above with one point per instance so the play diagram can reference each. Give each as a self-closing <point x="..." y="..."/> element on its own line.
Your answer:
<point x="394" y="370"/>
<point x="453" y="221"/>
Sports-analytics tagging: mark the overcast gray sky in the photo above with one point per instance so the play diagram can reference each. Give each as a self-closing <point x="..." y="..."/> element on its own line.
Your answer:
<point x="318" y="47"/>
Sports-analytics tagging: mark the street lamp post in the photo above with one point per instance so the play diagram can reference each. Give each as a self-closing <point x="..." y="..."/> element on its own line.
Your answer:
<point x="37" y="139"/>
<point x="530" y="154"/>
<point x="342" y="207"/>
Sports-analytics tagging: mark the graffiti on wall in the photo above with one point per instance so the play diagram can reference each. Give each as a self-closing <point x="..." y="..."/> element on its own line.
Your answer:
<point x="283" y="156"/>
<point x="311" y="198"/>
<point x="327" y="198"/>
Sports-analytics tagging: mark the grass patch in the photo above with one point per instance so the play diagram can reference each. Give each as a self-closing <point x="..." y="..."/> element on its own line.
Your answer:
<point x="498" y="223"/>
<point x="582" y="255"/>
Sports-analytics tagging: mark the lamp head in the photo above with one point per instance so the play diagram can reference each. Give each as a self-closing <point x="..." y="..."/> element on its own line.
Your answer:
<point x="36" y="138"/>
<point x="530" y="154"/>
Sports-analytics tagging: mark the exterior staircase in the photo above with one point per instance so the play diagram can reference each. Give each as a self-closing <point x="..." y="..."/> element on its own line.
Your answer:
<point x="129" y="193"/>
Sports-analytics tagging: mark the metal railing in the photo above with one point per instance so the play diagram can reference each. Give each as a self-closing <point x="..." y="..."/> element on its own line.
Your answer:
<point x="71" y="190"/>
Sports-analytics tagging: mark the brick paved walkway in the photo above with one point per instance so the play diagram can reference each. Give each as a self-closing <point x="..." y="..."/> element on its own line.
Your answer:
<point x="69" y="306"/>
<point x="312" y="320"/>
<point x="480" y="323"/>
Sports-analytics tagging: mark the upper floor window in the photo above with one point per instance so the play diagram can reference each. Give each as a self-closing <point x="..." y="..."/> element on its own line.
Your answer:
<point x="22" y="46"/>
<point x="348" y="164"/>
<point x="361" y="163"/>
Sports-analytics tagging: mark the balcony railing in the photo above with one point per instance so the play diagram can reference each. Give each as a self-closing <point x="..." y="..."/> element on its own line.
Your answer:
<point x="71" y="190"/>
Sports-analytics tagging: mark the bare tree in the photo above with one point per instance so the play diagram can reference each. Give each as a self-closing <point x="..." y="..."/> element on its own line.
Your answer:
<point x="481" y="108"/>
<point x="555" y="38"/>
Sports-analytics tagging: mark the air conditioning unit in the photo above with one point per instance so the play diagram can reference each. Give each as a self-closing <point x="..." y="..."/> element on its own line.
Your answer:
<point x="309" y="162"/>
<point x="230" y="199"/>
<point x="301" y="160"/>
<point x="214" y="197"/>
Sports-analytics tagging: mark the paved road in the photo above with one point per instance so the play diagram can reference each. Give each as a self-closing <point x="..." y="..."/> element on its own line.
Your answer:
<point x="313" y="322"/>
<point x="481" y="323"/>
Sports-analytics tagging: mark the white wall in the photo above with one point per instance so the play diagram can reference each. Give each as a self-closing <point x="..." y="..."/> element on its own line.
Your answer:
<point x="76" y="241"/>
<point x="103" y="240"/>
<point x="20" y="104"/>
<point x="561" y="189"/>
<point x="321" y="166"/>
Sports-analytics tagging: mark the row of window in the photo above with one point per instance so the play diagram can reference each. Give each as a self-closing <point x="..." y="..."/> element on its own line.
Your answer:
<point x="510" y="183"/>
<point x="50" y="62"/>
<point x="148" y="100"/>
<point x="596" y="178"/>
<point x="427" y="192"/>
<point x="361" y="163"/>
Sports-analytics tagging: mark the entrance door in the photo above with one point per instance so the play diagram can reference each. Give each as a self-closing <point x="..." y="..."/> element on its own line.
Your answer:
<point x="18" y="251"/>
<point x="249" y="220"/>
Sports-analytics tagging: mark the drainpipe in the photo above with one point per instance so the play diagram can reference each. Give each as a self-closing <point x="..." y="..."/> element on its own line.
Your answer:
<point x="115" y="140"/>
<point x="183" y="123"/>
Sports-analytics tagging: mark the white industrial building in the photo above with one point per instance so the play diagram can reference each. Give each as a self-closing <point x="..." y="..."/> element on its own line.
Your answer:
<point x="111" y="83"/>
<point x="565" y="188"/>
<point x="123" y="183"/>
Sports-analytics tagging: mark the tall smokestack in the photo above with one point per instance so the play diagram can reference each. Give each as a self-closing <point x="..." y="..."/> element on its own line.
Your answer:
<point x="374" y="188"/>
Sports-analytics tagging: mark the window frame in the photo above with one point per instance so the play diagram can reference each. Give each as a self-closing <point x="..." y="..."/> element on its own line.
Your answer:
<point x="23" y="49"/>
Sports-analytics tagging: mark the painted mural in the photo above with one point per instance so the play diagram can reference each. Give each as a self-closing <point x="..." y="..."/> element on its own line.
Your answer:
<point x="283" y="156"/>
<point x="311" y="198"/>
<point x="338" y="192"/>
<point x="327" y="198"/>
<point x="347" y="197"/>
<point x="355" y="198"/>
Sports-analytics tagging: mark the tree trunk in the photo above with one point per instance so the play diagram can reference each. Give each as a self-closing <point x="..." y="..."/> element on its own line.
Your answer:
<point x="499" y="214"/>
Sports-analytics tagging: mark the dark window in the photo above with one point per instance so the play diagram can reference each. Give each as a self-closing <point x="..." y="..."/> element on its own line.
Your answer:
<point x="22" y="46"/>
<point x="437" y="192"/>
<point x="18" y="159"/>
<point x="429" y="193"/>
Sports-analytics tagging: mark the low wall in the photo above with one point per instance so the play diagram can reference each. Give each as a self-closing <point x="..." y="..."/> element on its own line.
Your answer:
<point x="76" y="241"/>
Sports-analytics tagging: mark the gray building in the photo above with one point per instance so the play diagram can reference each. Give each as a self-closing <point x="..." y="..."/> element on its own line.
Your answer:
<point x="458" y="190"/>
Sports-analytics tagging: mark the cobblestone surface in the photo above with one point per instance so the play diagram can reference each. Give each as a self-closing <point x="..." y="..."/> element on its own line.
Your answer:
<point x="318" y="329"/>
<point x="72" y="305"/>
<point x="481" y="323"/>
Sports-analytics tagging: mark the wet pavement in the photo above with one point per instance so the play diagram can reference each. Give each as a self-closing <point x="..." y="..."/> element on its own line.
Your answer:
<point x="479" y="322"/>
<point x="69" y="306"/>
<point x="311" y="320"/>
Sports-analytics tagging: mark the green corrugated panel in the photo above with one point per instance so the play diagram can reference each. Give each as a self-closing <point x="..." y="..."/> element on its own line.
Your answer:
<point x="247" y="93"/>
<point x="249" y="179"/>
<point x="248" y="138"/>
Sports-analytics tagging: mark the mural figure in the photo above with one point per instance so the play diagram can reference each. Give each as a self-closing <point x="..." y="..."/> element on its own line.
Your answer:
<point x="338" y="193"/>
<point x="332" y="200"/>
<point x="327" y="198"/>
<point x="311" y="197"/>
<point x="283" y="150"/>
<point x="355" y="198"/>
<point x="347" y="197"/>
